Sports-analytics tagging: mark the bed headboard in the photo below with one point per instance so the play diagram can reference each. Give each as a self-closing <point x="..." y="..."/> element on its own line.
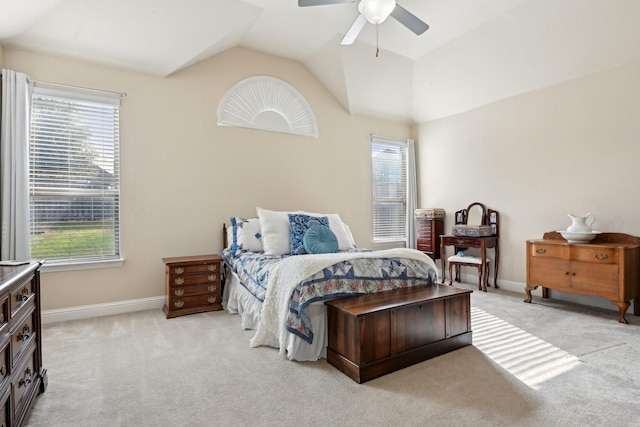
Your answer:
<point x="224" y="235"/>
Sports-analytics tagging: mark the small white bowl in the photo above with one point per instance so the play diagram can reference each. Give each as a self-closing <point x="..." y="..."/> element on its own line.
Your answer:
<point x="579" y="237"/>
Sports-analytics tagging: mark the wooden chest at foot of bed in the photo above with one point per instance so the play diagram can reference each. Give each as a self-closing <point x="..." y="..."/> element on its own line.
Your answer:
<point x="374" y="334"/>
<point x="192" y="285"/>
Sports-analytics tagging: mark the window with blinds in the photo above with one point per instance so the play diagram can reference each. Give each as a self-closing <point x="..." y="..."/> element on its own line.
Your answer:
<point x="389" y="167"/>
<point x="74" y="177"/>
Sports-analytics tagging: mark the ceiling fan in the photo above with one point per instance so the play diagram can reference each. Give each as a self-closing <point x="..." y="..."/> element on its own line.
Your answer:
<point x="374" y="12"/>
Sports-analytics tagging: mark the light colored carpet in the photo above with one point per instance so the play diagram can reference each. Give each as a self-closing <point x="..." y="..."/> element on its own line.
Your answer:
<point x="541" y="364"/>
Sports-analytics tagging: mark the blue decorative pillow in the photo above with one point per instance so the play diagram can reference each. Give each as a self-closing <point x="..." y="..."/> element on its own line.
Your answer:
<point x="299" y="225"/>
<point x="319" y="239"/>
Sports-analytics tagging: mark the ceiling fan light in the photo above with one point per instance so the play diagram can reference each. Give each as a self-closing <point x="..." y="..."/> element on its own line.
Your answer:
<point x="376" y="11"/>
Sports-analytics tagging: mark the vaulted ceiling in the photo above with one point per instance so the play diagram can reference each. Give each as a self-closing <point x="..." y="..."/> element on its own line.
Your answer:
<point x="475" y="52"/>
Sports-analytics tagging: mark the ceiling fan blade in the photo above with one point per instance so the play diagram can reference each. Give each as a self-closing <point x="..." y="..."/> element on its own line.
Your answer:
<point x="409" y="20"/>
<point x="305" y="3"/>
<point x="355" y="29"/>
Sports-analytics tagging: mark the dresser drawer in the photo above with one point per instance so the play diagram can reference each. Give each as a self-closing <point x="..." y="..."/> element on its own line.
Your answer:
<point x="5" y="361"/>
<point x="5" y="407"/>
<point x="553" y="251"/>
<point x="424" y="245"/>
<point x="20" y="296"/>
<point x="22" y="332"/>
<point x="598" y="255"/>
<point x="23" y="381"/>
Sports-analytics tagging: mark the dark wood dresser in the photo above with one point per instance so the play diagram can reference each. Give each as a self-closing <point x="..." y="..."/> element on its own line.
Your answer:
<point x="374" y="334"/>
<point x="193" y="285"/>
<point x="428" y="232"/>
<point x="608" y="266"/>
<point x="22" y="376"/>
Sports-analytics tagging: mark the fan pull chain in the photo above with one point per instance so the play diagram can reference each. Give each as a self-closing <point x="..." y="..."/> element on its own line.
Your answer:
<point x="377" y="48"/>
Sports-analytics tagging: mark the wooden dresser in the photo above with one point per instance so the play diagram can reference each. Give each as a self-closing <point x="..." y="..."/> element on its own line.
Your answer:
<point x="428" y="232"/>
<point x="608" y="266"/>
<point x="193" y="285"/>
<point x="374" y="334"/>
<point x="22" y="376"/>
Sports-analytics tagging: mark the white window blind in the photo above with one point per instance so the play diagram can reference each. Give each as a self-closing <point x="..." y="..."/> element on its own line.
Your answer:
<point x="389" y="167"/>
<point x="74" y="177"/>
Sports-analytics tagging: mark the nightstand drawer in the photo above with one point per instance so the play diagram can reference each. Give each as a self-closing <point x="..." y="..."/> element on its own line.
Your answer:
<point x="186" y="291"/>
<point x="190" y="279"/>
<point x="193" y="301"/>
<point x="200" y="268"/>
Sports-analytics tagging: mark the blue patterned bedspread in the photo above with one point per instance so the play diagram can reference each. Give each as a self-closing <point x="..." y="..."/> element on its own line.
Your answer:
<point x="346" y="278"/>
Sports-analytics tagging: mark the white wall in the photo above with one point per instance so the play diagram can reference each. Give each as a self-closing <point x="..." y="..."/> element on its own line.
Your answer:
<point x="183" y="176"/>
<point x="570" y="148"/>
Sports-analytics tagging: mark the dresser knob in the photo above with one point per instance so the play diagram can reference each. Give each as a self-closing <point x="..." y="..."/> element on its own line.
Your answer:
<point x="212" y="288"/>
<point x="25" y="333"/>
<point x="212" y="267"/>
<point x="179" y="280"/>
<point x="179" y="270"/>
<point x="212" y="277"/>
<point x="179" y="292"/>
<point x="541" y="251"/>
<point x="212" y="299"/>
<point x="178" y="304"/>
<point x="601" y="256"/>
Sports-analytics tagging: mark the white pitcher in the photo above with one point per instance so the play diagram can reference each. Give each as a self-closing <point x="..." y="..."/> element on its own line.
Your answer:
<point x="579" y="224"/>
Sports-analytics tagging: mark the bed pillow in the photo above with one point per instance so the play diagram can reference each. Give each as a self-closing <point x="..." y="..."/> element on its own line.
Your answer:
<point x="319" y="239"/>
<point x="275" y="231"/>
<point x="299" y="224"/>
<point x="245" y="234"/>
<point x="345" y="241"/>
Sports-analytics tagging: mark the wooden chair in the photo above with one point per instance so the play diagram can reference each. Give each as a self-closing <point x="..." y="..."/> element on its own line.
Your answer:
<point x="475" y="214"/>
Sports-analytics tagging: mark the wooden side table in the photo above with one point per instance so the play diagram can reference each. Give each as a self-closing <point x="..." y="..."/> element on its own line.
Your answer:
<point x="193" y="285"/>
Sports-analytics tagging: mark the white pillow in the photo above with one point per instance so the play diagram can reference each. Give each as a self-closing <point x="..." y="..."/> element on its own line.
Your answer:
<point x="345" y="240"/>
<point x="245" y="234"/>
<point x="275" y="231"/>
<point x="352" y="241"/>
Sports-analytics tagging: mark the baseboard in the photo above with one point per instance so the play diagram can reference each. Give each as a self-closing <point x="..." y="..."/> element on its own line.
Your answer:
<point x="98" y="310"/>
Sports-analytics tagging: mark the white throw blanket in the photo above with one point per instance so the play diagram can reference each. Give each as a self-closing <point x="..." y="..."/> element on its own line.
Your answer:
<point x="288" y="274"/>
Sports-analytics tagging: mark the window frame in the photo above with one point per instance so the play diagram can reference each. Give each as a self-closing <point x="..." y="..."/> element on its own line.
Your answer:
<point x="401" y="222"/>
<point x="110" y="193"/>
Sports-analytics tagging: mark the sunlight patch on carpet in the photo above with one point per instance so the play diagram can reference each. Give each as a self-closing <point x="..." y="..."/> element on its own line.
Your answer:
<point x="530" y="359"/>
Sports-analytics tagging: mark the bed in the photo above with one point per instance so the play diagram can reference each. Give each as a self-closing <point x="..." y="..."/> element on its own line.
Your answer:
<point x="278" y="288"/>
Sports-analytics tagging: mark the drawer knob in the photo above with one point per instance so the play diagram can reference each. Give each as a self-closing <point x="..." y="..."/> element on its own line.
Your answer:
<point x="3" y="370"/>
<point x="178" y="304"/>
<point x="601" y="256"/>
<point x="212" y="267"/>
<point x="23" y="295"/>
<point x="212" y="277"/>
<point x="25" y="333"/>
<point x="179" y="292"/>
<point x="179" y="280"/>
<point x="179" y="270"/>
<point x="541" y="251"/>
<point x="212" y="299"/>
<point x="26" y="379"/>
<point x="212" y="288"/>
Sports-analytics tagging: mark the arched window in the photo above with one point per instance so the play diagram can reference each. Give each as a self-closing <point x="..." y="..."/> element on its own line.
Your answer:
<point x="267" y="103"/>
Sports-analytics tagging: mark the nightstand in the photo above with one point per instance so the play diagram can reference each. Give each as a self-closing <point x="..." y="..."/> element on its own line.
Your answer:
<point x="193" y="285"/>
